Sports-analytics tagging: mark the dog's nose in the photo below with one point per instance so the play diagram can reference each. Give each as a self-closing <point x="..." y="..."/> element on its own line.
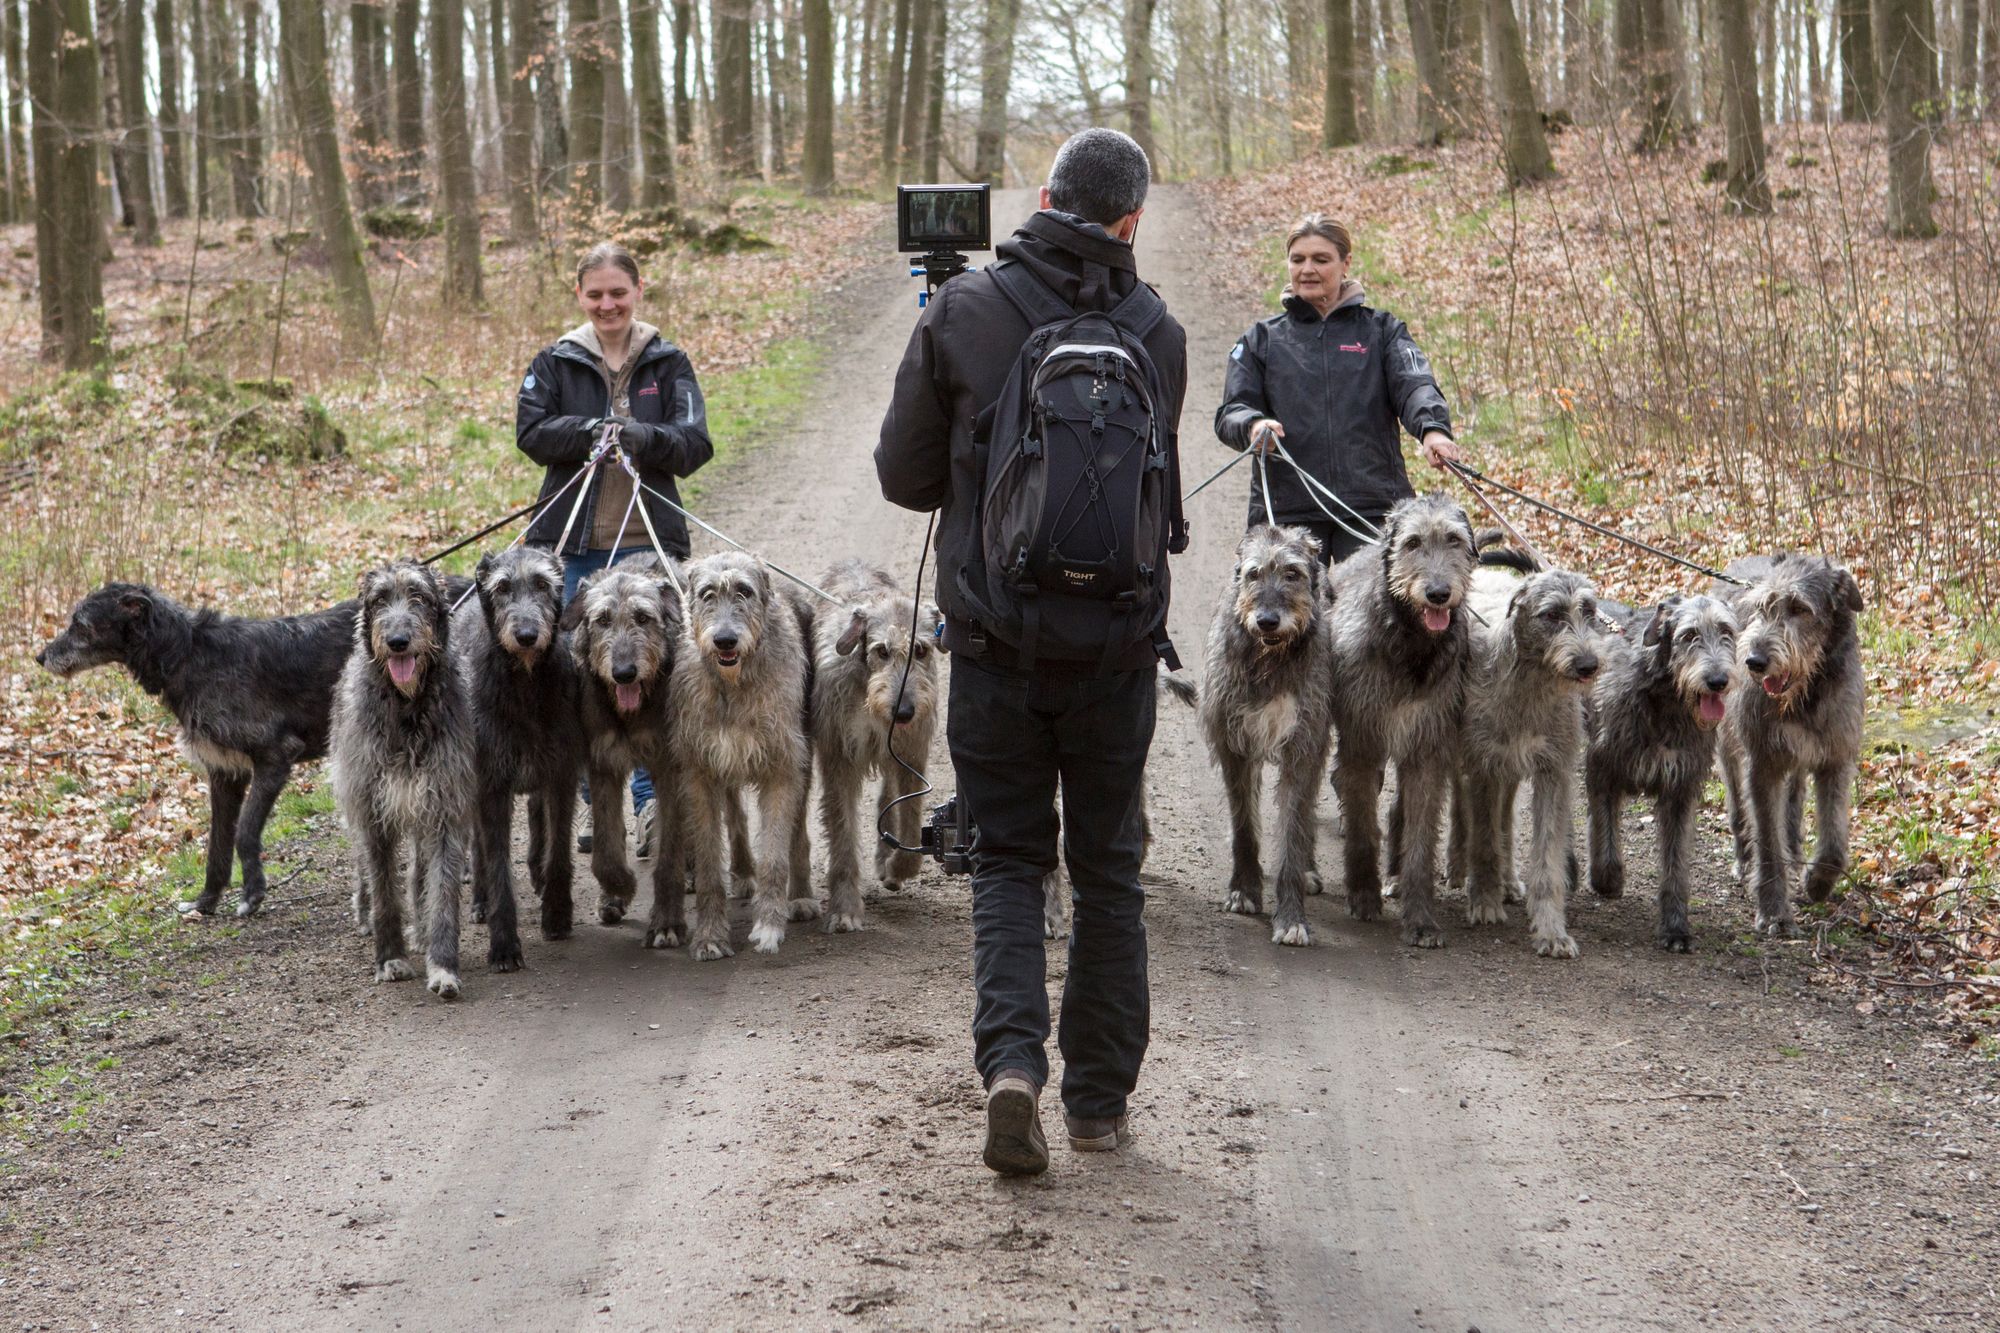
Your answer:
<point x="527" y="638"/>
<point x="1267" y="621"/>
<point x="726" y="642"/>
<point x="1437" y="594"/>
<point x="42" y="658"/>
<point x="905" y="710"/>
<point x="1717" y="682"/>
<point x="398" y="643"/>
<point x="1756" y="662"/>
<point x="625" y="675"/>
<point x="1586" y="667"/>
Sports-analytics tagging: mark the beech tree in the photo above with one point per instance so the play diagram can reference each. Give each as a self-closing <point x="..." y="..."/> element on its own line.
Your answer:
<point x="463" y="287"/>
<point x="303" y="46"/>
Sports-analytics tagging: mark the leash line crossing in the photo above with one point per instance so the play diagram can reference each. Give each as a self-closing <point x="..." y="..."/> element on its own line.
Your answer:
<point x="720" y="535"/>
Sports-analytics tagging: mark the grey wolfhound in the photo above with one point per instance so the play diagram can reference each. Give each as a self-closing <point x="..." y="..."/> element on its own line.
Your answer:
<point x="625" y="627"/>
<point x="874" y="685"/>
<point x="1533" y="662"/>
<point x="252" y="699"/>
<point x="1265" y="698"/>
<point x="740" y="695"/>
<point x="405" y="765"/>
<point x="1653" y="714"/>
<point x="1801" y="646"/>
<point x="522" y="687"/>
<point x="1400" y="653"/>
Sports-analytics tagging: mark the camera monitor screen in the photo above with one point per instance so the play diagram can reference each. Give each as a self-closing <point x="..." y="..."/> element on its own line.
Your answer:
<point x="943" y="217"/>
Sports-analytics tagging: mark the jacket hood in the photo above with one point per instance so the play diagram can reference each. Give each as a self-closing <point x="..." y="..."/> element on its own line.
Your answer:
<point x="1076" y="260"/>
<point x="585" y="336"/>
<point x="1351" y="293"/>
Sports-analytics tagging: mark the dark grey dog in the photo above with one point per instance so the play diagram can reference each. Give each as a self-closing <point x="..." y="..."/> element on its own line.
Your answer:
<point x="1266" y="699"/>
<point x="1400" y="651"/>
<point x="1533" y="663"/>
<point x="1653" y="715"/>
<point x="1801" y="647"/>
<point x="625" y="633"/>
<point x="252" y="699"/>
<point x="740" y="693"/>
<point x="875" y="683"/>
<point x="405" y="766"/>
<point x="523" y="692"/>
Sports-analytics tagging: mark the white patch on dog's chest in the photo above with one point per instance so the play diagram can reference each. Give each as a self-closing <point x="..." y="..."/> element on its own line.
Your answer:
<point x="1266" y="728"/>
<point x="213" y="758"/>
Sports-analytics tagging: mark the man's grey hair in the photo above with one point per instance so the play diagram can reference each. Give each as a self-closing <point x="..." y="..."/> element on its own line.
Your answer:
<point x="1099" y="175"/>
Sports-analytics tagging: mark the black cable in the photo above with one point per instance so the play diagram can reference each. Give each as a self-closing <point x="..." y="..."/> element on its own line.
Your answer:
<point x="1476" y="475"/>
<point x="916" y="601"/>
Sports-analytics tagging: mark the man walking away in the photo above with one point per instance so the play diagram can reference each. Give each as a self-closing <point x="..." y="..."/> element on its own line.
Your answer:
<point x="1037" y="409"/>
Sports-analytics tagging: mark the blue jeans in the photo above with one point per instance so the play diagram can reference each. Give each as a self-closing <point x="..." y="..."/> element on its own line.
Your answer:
<point x="1012" y="737"/>
<point x="577" y="568"/>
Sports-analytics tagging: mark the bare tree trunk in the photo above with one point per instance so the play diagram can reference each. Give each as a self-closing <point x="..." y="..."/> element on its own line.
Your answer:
<point x="1749" y="187"/>
<point x="649" y="95"/>
<point x="458" y="187"/>
<point x="1365" y="65"/>
<point x="1224" y="89"/>
<point x="173" y="136"/>
<point x="137" y="136"/>
<point x="303" y="50"/>
<point x="1437" y="108"/>
<point x="1576" y="66"/>
<point x="1666" y="77"/>
<point x="208" y="115"/>
<point x="934" y="91"/>
<point x="774" y="104"/>
<point x="1815" y="62"/>
<point x="548" y="99"/>
<point x="683" y="97"/>
<point x="68" y="98"/>
<point x="1899" y="48"/>
<point x="996" y="76"/>
<point x="251" y="127"/>
<point x="1139" y="75"/>
<point x="1523" y="143"/>
<point x="369" y="50"/>
<point x="119" y="207"/>
<point x="1337" y="124"/>
<point x="915" y="103"/>
<point x="892" y="103"/>
<point x="489" y="116"/>
<point x="818" y="149"/>
<point x="228" y="80"/>
<point x="584" y="43"/>
<point x="1989" y="76"/>
<point x="408" y="180"/>
<point x="518" y="144"/>
<point x="617" y="108"/>
<point x="735" y="73"/>
<point x="871" y="41"/>
<point x="1628" y="41"/>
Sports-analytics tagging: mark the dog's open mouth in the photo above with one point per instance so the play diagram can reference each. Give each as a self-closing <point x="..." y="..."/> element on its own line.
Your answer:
<point x="1776" y="686"/>
<point x="627" y="697"/>
<point x="1709" y="709"/>
<point x="728" y="660"/>
<point x="402" y="668"/>
<point x="1437" y="619"/>
<point x="1272" y="640"/>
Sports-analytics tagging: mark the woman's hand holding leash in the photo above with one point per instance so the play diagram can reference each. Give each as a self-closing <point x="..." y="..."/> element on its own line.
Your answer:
<point x="1440" y="450"/>
<point x="1264" y="432"/>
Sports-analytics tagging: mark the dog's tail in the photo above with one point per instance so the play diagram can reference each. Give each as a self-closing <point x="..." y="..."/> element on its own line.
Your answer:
<point x="1493" y="550"/>
<point x="1184" y="690"/>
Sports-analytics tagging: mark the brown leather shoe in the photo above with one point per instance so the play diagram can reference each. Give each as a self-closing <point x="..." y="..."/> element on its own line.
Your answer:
<point x="1097" y="1133"/>
<point x="1014" y="1142"/>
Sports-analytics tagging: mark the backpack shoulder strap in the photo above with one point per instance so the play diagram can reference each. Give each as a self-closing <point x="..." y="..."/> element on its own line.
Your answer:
<point x="1028" y="293"/>
<point x="1140" y="312"/>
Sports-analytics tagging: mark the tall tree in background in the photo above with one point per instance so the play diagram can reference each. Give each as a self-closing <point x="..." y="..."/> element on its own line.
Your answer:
<point x="649" y="95"/>
<point x="1901" y="53"/>
<point x="409" y="99"/>
<point x="586" y="100"/>
<point x="1223" y="90"/>
<point x="934" y="92"/>
<point x="207" y="104"/>
<point x="683" y="49"/>
<point x="1628" y="44"/>
<point x="892" y="97"/>
<point x="1338" y="125"/>
<point x="173" y="138"/>
<point x="996" y="77"/>
<point x="20" y="191"/>
<point x="303" y="51"/>
<point x="1858" y="98"/>
<point x="817" y="161"/>
<point x="1666" y="110"/>
<point x="69" y="230"/>
<point x="1437" y="99"/>
<point x="456" y="183"/>
<point x="1989" y="76"/>
<point x="1523" y="143"/>
<point x="1139" y="75"/>
<point x="368" y="46"/>
<point x="136" y="133"/>
<point x="735" y="73"/>
<point x="548" y="99"/>
<point x="517" y="143"/>
<point x="916" y="102"/>
<point x="1749" y="187"/>
<point x="114" y="114"/>
<point x="618" y="144"/>
<point x="250" y="127"/>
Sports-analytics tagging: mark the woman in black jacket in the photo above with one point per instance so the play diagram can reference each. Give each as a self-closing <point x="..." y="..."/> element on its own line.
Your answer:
<point x="612" y="367"/>
<point x="1331" y="377"/>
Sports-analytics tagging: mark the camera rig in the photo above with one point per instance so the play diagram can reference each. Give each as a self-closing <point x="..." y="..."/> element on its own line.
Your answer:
<point x="937" y="225"/>
<point x="947" y="836"/>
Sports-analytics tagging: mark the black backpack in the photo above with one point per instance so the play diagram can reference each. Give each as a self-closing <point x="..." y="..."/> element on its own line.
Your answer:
<point x="1079" y="501"/>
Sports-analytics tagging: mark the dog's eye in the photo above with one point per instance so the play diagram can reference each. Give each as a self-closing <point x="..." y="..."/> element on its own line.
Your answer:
<point x="502" y="588"/>
<point x="1294" y="575"/>
<point x="1413" y="543"/>
<point x="1793" y="607"/>
<point x="602" y="617"/>
<point x="1688" y="635"/>
<point x="879" y="651"/>
<point x="1588" y="610"/>
<point x="708" y="595"/>
<point x="922" y="652"/>
<point x="641" y="616"/>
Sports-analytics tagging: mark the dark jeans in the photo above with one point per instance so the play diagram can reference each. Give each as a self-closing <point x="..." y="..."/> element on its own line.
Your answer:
<point x="576" y="569"/>
<point x="1335" y="542"/>
<point x="1012" y="736"/>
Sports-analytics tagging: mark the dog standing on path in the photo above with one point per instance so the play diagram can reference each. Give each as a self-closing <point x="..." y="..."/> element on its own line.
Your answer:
<point x="740" y="693"/>
<point x="1266" y="698"/>
<point x="404" y="765"/>
<point x="1400" y="652"/>
<point x="1801" y="647"/>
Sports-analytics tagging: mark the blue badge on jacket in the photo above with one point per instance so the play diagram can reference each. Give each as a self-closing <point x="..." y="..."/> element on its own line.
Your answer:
<point x="1235" y="354"/>
<point x="528" y="384"/>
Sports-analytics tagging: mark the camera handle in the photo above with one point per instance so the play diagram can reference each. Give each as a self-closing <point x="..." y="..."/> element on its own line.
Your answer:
<point x="937" y="268"/>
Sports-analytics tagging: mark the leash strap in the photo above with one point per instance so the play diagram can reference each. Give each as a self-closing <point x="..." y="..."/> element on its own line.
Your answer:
<point x="1513" y="533"/>
<point x="652" y="535"/>
<point x="722" y="536"/>
<point x="1315" y="488"/>
<point x="1216" y="475"/>
<point x="1264" y="478"/>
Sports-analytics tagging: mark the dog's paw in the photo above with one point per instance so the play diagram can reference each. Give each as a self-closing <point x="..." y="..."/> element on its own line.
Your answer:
<point x="1608" y="881"/>
<point x="842" y="923"/>
<point x="669" y="938"/>
<point x="556" y="925"/>
<point x="441" y="982"/>
<point x="806" y="909"/>
<point x="1364" y="906"/>
<point x="1676" y="939"/>
<point x="1423" y="935"/>
<point x="505" y="957"/>
<point x="1054" y="926"/>
<point x="1778" y="928"/>
<point x="1517" y="891"/>
<point x="1486" y="912"/>
<point x="1242" y="903"/>
<point x="254" y="904"/>
<point x="1314" y="884"/>
<point x="478" y="911"/>
<point x="1291" y="932"/>
<point x="1818" y="882"/>
<point x="709" y="951"/>
<point x="205" y="905"/>
<point x="1392" y="886"/>
<point x="610" y="912"/>
<point x="394" y="969"/>
<point x="766" y="936"/>
<point x="1555" y="946"/>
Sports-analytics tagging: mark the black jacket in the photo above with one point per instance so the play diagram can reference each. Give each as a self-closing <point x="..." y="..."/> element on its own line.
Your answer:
<point x="1339" y="385"/>
<point x="564" y="394"/>
<point x="957" y="363"/>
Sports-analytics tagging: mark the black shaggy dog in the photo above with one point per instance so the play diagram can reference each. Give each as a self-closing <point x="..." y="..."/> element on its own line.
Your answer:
<point x="523" y="689"/>
<point x="251" y="697"/>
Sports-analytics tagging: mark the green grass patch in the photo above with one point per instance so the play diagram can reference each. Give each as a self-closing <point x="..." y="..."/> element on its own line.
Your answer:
<point x="747" y="406"/>
<point x="1792" y="1052"/>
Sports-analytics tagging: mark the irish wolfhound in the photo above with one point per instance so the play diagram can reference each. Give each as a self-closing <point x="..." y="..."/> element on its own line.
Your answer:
<point x="625" y="627"/>
<point x="1800" y="645"/>
<point x="252" y="699"/>
<point x="1400" y="650"/>
<point x="1265" y="699"/>
<point x="874" y="684"/>
<point x="405" y="765"/>
<point x="1653" y="715"/>
<point x="740" y="695"/>
<point x="1532" y="665"/>
<point x="523" y="692"/>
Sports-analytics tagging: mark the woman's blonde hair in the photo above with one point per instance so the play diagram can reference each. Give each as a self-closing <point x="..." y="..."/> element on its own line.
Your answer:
<point x="607" y="254"/>
<point x="1324" y="227"/>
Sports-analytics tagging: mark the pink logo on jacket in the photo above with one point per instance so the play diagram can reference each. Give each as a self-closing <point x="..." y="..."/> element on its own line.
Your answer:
<point x="1354" y="347"/>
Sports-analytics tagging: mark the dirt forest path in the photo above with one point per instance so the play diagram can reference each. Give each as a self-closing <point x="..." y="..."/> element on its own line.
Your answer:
<point x="1355" y="1135"/>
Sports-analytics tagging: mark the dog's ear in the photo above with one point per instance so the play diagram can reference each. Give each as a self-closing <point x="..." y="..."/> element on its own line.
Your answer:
<point x="1514" y="602"/>
<point x="572" y="615"/>
<point x="1846" y="592"/>
<point x="484" y="567"/>
<point x="135" y="604"/>
<point x="1658" y="624"/>
<point x="1310" y="542"/>
<point x="857" y="626"/>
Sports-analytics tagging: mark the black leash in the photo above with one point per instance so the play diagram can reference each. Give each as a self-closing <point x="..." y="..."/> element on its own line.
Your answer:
<point x="486" y="531"/>
<point x="882" y="833"/>
<point x="1470" y="475"/>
